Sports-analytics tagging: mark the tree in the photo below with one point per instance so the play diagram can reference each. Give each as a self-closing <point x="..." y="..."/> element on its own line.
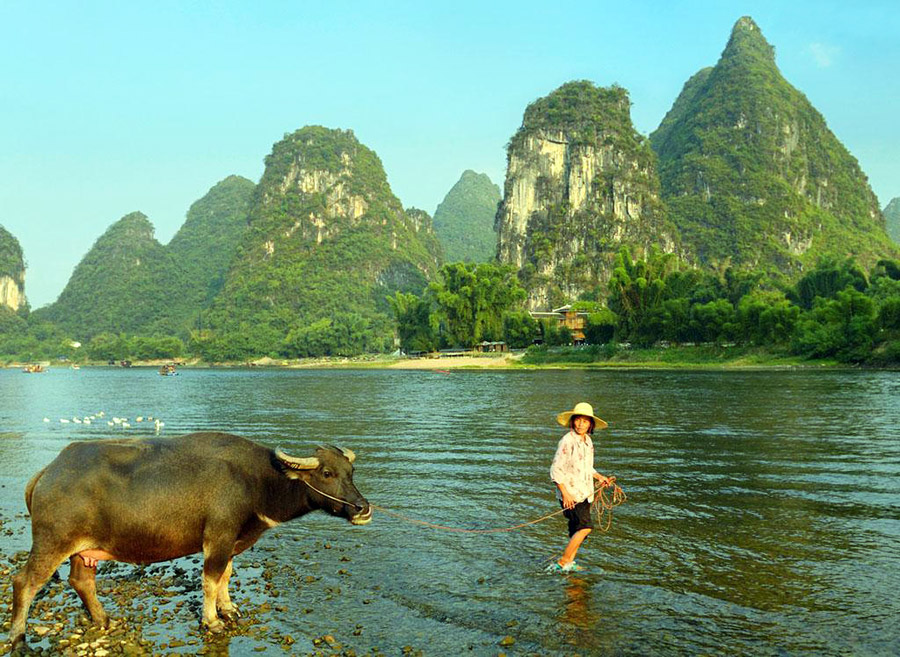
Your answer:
<point x="414" y="326"/>
<point x="637" y="288"/>
<point x="471" y="300"/>
<point x="520" y="329"/>
<point x="843" y="327"/>
<point x="829" y="277"/>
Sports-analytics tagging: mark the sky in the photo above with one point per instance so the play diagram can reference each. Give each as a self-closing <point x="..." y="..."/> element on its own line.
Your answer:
<point x="112" y="107"/>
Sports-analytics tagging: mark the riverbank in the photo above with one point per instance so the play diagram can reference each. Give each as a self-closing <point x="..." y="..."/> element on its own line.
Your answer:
<point x="701" y="357"/>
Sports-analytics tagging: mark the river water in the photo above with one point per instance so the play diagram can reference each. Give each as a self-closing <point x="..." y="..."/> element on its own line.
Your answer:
<point x="763" y="512"/>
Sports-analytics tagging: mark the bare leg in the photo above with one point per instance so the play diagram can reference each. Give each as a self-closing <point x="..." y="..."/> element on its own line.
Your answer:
<point x="82" y="577"/>
<point x="223" y="600"/>
<point x="26" y="583"/>
<point x="572" y="548"/>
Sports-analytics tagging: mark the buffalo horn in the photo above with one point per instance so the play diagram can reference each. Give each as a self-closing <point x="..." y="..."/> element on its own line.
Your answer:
<point x="296" y="462"/>
<point x="346" y="452"/>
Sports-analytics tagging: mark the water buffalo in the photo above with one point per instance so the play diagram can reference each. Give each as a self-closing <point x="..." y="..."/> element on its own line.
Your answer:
<point x="155" y="499"/>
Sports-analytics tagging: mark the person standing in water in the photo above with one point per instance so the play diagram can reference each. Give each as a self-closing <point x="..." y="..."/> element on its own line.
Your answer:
<point x="573" y="474"/>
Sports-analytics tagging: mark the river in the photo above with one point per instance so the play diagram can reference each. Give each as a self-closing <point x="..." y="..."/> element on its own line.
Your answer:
<point x="763" y="511"/>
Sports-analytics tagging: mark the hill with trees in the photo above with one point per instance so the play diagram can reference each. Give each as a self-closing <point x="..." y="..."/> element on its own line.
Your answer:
<point x="206" y="243"/>
<point x="327" y="243"/>
<point x="753" y="177"/>
<point x="892" y="219"/>
<point x="464" y="220"/>
<point x="126" y="283"/>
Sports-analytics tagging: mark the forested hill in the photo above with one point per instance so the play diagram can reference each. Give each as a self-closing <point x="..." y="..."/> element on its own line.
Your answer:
<point x="752" y="175"/>
<point x="464" y="220"/>
<point x="206" y="243"/>
<point x="12" y="271"/>
<point x="327" y="242"/>
<point x="126" y="283"/>
<point x="892" y="219"/>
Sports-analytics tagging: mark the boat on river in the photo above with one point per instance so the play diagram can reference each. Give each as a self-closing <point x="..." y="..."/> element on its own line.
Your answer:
<point x="34" y="368"/>
<point x="168" y="370"/>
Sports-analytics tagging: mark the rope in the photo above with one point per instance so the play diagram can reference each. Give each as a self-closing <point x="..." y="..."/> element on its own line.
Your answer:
<point x="602" y="507"/>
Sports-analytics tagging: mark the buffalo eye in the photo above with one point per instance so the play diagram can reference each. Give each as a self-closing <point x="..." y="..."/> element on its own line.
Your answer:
<point x="328" y="474"/>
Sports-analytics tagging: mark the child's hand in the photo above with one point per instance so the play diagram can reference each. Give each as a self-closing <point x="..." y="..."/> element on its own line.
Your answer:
<point x="568" y="501"/>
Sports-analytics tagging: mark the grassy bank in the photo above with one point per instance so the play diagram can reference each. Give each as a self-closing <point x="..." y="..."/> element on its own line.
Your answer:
<point x="681" y="357"/>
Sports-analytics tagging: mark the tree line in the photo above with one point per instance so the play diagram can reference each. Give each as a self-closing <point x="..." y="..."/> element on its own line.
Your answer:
<point x="836" y="310"/>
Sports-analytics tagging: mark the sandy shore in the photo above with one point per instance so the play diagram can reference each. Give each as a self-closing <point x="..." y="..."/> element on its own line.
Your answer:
<point x="457" y="362"/>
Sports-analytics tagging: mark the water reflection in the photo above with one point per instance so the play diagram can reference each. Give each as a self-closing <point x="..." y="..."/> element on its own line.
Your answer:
<point x="578" y="609"/>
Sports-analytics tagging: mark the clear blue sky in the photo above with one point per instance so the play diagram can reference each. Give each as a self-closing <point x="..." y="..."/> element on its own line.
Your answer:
<point x="111" y="107"/>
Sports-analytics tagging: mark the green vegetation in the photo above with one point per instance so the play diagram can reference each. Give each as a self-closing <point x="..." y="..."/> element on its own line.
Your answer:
<point x="12" y="263"/>
<point x="464" y="221"/>
<point x="752" y="175"/>
<point x="127" y="283"/>
<point x="206" y="243"/>
<point x="835" y="312"/>
<point x="892" y="219"/>
<point x="468" y="303"/>
<point x="327" y="243"/>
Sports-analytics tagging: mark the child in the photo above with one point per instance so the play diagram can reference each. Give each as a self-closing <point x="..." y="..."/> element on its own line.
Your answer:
<point x="573" y="473"/>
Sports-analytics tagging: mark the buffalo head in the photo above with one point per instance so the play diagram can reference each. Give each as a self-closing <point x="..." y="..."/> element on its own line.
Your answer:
<point x="329" y="477"/>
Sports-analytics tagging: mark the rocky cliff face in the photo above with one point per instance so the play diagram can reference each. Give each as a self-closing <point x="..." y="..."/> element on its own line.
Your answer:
<point x="12" y="271"/>
<point x="751" y="174"/>
<point x="580" y="184"/>
<point x="892" y="219"/>
<point x="326" y="237"/>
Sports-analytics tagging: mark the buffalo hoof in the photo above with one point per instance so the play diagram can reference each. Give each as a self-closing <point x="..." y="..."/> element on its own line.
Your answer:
<point x="17" y="645"/>
<point x="215" y="626"/>
<point x="230" y="615"/>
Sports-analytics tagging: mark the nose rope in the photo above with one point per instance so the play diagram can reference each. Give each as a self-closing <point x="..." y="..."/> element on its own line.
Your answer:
<point x="332" y="497"/>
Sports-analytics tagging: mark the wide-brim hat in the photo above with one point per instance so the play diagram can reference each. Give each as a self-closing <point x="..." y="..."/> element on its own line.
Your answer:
<point x="582" y="408"/>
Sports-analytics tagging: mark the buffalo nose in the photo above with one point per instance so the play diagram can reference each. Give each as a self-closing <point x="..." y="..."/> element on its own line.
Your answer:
<point x="364" y="517"/>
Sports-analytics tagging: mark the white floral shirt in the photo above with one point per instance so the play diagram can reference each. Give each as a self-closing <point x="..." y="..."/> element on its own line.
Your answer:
<point x="573" y="466"/>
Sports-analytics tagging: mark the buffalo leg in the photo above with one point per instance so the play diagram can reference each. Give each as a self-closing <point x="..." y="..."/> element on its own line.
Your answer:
<point x="216" y="559"/>
<point x="83" y="580"/>
<point x="26" y="583"/>
<point x="223" y="600"/>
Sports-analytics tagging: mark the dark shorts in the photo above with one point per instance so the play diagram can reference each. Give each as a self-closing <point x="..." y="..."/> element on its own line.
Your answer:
<point x="579" y="518"/>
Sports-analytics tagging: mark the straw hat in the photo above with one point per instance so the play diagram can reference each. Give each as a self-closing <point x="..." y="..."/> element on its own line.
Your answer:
<point x="582" y="408"/>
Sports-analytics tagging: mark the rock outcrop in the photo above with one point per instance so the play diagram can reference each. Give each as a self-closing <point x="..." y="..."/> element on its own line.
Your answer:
<point x="12" y="272"/>
<point x="580" y="184"/>
<point x="464" y="220"/>
<point x="751" y="174"/>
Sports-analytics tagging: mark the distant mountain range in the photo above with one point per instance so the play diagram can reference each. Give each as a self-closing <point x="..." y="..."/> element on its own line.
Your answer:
<point x="742" y="172"/>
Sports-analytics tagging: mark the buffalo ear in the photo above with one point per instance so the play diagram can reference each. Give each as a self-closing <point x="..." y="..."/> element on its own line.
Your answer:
<point x="296" y="462"/>
<point x="349" y="454"/>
